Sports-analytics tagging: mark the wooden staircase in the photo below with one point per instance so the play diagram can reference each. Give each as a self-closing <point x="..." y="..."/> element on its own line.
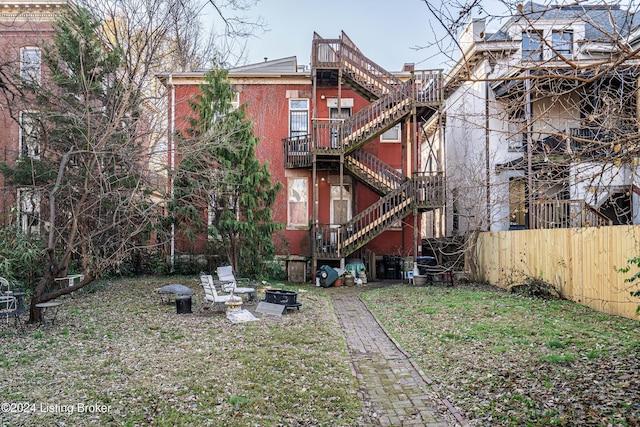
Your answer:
<point x="363" y="75"/>
<point x="392" y="100"/>
<point x="379" y="176"/>
<point x="423" y="192"/>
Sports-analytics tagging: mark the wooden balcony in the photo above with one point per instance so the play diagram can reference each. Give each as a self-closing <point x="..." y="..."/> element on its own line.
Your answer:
<point x="566" y="214"/>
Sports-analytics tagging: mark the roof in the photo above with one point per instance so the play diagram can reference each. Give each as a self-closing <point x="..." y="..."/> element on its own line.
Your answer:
<point x="277" y="66"/>
<point x="601" y="21"/>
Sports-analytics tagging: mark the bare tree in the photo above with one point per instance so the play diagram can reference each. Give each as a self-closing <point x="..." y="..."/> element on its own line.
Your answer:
<point x="92" y="123"/>
<point x="541" y="115"/>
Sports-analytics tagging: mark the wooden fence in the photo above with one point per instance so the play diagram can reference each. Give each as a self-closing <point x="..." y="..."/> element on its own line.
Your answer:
<point x="582" y="263"/>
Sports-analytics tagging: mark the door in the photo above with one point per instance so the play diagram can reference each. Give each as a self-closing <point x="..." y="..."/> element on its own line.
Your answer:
<point x="337" y="118"/>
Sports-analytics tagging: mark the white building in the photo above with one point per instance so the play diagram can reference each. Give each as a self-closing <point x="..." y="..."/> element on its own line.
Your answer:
<point x="540" y="124"/>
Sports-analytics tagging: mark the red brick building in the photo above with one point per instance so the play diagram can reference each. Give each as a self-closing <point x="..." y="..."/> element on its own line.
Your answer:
<point x="24" y="26"/>
<point x="344" y="138"/>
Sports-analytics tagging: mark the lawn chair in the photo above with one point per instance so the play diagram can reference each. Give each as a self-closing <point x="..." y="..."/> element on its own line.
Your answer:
<point x="230" y="284"/>
<point x="211" y="297"/>
<point x="10" y="307"/>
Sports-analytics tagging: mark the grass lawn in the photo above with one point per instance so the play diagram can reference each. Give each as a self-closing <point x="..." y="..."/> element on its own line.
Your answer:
<point x="117" y="356"/>
<point x="509" y="360"/>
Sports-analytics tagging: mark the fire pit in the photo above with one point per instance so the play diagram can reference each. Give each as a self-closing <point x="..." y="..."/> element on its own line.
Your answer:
<point x="282" y="297"/>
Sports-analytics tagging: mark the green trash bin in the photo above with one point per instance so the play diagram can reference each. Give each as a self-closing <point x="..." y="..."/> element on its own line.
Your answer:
<point x="327" y="276"/>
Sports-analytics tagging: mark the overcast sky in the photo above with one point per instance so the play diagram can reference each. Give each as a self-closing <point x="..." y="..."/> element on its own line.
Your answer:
<point x="386" y="31"/>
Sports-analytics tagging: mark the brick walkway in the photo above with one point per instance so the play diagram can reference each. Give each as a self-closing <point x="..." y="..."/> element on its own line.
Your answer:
<point x="393" y="391"/>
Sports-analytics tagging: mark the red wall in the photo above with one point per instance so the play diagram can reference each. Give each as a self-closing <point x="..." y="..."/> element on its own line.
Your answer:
<point x="268" y="107"/>
<point x="15" y="34"/>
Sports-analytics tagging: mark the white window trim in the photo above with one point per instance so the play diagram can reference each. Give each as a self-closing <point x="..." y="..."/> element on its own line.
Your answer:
<point x="21" y="136"/>
<point x="22" y="63"/>
<point x="546" y="43"/>
<point x="34" y="203"/>
<point x="571" y="43"/>
<point x="398" y="139"/>
<point x="307" y="109"/>
<point x="290" y="179"/>
<point x="235" y="103"/>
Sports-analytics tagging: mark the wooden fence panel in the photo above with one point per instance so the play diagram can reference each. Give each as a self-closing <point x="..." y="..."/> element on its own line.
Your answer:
<point x="581" y="263"/>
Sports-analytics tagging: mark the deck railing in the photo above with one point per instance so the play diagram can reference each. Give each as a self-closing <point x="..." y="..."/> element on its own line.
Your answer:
<point x="297" y="151"/>
<point x="343" y="54"/>
<point x="566" y="214"/>
<point x="424" y="191"/>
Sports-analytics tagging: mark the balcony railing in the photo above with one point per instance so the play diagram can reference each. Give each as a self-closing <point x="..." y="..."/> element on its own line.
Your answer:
<point x="566" y="214"/>
<point x="592" y="142"/>
<point x="297" y="151"/>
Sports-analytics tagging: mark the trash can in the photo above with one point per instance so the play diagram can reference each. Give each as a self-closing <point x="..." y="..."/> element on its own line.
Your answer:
<point x="183" y="304"/>
<point x="327" y="276"/>
<point x="392" y="267"/>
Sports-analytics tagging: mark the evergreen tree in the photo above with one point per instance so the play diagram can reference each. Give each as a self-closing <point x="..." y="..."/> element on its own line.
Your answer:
<point x="87" y="174"/>
<point x="219" y="169"/>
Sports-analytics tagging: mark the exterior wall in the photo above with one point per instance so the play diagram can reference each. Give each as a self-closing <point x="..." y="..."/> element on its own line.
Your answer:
<point x="20" y="26"/>
<point x="465" y="139"/>
<point x="267" y="104"/>
<point x="267" y="101"/>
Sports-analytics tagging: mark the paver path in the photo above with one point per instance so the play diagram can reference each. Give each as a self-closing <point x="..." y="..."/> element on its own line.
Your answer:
<point x="393" y="391"/>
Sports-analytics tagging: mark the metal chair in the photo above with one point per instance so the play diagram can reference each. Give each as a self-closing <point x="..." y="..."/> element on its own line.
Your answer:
<point x="9" y="307"/>
<point x="211" y="297"/>
<point x="230" y="284"/>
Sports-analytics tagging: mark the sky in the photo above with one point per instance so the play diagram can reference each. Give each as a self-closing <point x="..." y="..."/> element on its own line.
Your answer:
<point x="388" y="32"/>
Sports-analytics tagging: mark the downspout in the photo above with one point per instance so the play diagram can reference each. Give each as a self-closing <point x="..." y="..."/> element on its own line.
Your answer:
<point x="487" y="152"/>
<point x="341" y="139"/>
<point x="314" y="179"/>
<point x="172" y="162"/>
<point x="415" y="153"/>
<point x="442" y="162"/>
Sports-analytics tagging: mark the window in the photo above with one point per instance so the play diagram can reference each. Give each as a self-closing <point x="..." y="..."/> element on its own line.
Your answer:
<point x="392" y="135"/>
<point x="235" y="102"/>
<point x="29" y="135"/>
<point x="298" y="117"/>
<point x="297" y="207"/>
<point x="30" y="64"/>
<point x="517" y="135"/>
<point x="532" y="46"/>
<point x="562" y="42"/>
<point x="29" y="210"/>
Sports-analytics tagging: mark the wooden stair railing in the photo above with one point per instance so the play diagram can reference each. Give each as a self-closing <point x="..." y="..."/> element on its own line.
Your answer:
<point x="350" y="134"/>
<point x="567" y="214"/>
<point x="325" y="241"/>
<point x="373" y="80"/>
<point x="297" y="151"/>
<point x="596" y="218"/>
<point x="423" y="192"/>
<point x="378" y="175"/>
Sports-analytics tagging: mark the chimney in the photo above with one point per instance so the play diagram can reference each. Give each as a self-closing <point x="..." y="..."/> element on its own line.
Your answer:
<point x="409" y="66"/>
